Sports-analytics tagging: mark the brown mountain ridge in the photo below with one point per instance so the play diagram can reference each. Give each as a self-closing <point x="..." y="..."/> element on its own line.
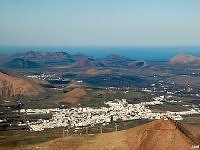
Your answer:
<point x="11" y="86"/>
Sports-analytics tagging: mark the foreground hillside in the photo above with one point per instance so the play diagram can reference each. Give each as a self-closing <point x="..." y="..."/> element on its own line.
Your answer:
<point x="157" y="135"/>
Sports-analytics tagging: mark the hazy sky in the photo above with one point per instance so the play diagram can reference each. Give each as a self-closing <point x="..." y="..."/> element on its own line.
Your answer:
<point x="99" y="22"/>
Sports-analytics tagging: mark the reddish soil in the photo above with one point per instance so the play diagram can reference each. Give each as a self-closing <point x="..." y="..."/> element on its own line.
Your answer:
<point x="74" y="96"/>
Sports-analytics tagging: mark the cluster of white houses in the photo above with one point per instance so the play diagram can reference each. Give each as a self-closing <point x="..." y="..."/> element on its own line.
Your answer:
<point x="45" y="76"/>
<point x="117" y="109"/>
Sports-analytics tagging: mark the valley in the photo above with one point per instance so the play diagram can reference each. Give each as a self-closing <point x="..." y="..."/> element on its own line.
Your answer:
<point x="81" y="94"/>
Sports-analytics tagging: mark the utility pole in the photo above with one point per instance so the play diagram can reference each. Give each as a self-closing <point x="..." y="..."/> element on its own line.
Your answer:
<point x="63" y="133"/>
<point x="86" y="130"/>
<point x="116" y="126"/>
<point x="67" y="130"/>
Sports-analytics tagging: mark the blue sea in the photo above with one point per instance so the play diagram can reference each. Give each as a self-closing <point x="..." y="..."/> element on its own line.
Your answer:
<point x="145" y="53"/>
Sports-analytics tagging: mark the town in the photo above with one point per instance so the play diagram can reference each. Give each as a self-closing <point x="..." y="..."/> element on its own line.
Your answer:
<point x="116" y="110"/>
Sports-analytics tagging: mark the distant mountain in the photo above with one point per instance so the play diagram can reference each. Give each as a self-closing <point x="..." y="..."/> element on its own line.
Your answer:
<point x="11" y="86"/>
<point x="3" y="58"/>
<point x="184" y="59"/>
<point x="59" y="58"/>
<point x="47" y="58"/>
<point x="32" y="55"/>
<point x="59" y="55"/>
<point x="156" y="135"/>
<point x="83" y="63"/>
<point x="115" y="61"/>
<point x="79" y="60"/>
<point x="3" y="55"/>
<point x="21" y="63"/>
<point x="79" y="56"/>
<point x="74" y="96"/>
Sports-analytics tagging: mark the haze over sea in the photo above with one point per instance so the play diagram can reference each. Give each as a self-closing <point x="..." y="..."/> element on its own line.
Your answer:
<point x="159" y="53"/>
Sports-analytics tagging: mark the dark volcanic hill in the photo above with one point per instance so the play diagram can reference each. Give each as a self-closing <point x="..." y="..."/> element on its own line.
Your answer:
<point x="79" y="60"/>
<point x="58" y="58"/>
<point x="47" y="58"/>
<point x="32" y="55"/>
<point x="138" y="64"/>
<point x="115" y="61"/>
<point x="21" y="63"/>
<point x="59" y="55"/>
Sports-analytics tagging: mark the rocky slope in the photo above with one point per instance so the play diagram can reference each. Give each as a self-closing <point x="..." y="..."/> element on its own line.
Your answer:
<point x="11" y="86"/>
